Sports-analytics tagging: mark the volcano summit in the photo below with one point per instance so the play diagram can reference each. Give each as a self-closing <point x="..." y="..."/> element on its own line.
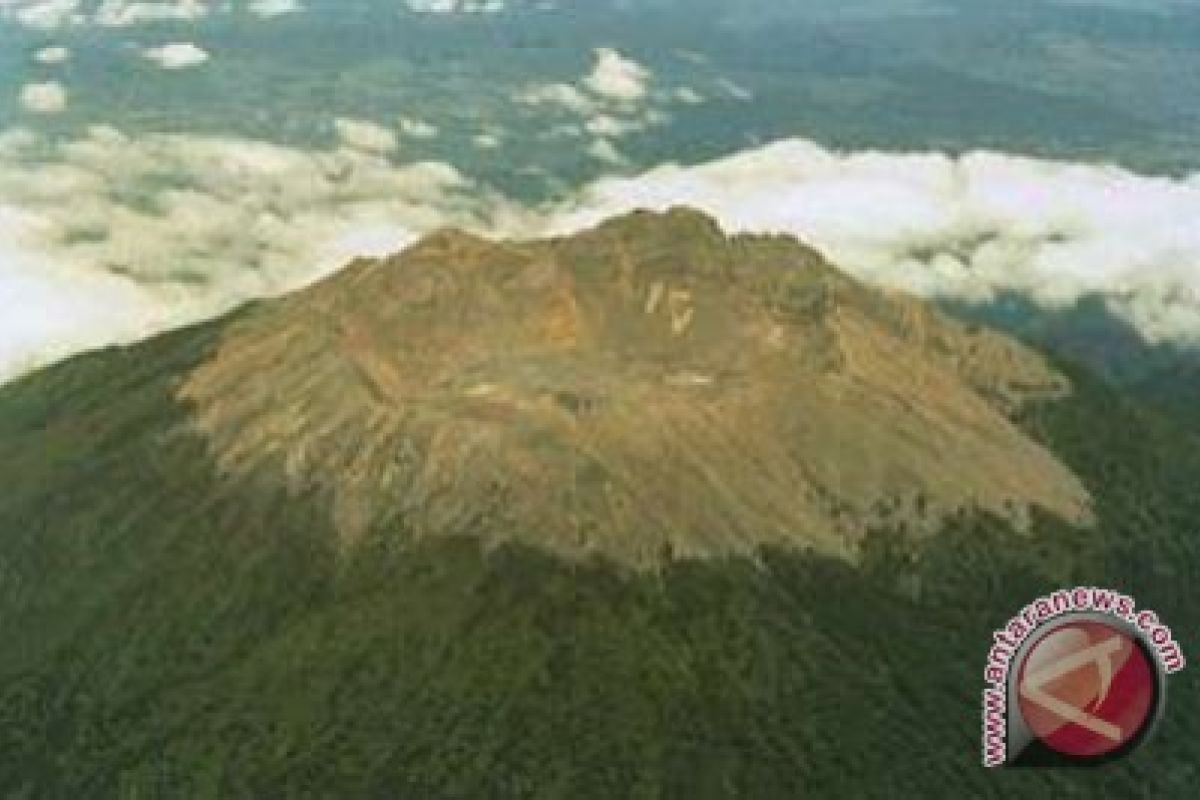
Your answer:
<point x="644" y="389"/>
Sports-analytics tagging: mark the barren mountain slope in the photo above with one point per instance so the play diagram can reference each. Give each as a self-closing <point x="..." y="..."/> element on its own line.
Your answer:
<point x="648" y="389"/>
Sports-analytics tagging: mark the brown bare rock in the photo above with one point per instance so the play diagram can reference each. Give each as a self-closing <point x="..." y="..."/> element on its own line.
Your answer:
<point x="649" y="389"/>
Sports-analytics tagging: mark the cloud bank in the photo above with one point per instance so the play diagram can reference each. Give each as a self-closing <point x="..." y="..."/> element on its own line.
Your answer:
<point x="109" y="237"/>
<point x="50" y="312"/>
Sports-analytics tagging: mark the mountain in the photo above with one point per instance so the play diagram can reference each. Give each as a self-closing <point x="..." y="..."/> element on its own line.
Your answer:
<point x="648" y="511"/>
<point x="1089" y="333"/>
<point x="648" y="387"/>
<point x="1162" y="375"/>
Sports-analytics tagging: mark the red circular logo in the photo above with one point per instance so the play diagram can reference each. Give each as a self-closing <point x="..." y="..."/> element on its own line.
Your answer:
<point x="1087" y="689"/>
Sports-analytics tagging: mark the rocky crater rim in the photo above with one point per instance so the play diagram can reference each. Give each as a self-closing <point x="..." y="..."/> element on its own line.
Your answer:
<point x="645" y="390"/>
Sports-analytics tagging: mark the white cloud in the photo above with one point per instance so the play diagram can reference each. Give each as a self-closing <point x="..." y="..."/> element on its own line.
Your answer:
<point x="122" y="13"/>
<point x="110" y="236"/>
<point x="42" y="14"/>
<point x="52" y="55"/>
<point x="688" y="96"/>
<point x="487" y="140"/>
<point x="177" y="55"/>
<point x="156" y="230"/>
<point x="366" y="137"/>
<point x="610" y="102"/>
<point x="618" y="78"/>
<point x="274" y="8"/>
<point x="44" y="98"/>
<point x="966" y="227"/>
<point x="614" y="81"/>
<point x="417" y="128"/>
<point x="606" y="151"/>
<point x="456" y="6"/>
<point x="563" y="95"/>
<point x="50" y="312"/>
<point x="52" y="14"/>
